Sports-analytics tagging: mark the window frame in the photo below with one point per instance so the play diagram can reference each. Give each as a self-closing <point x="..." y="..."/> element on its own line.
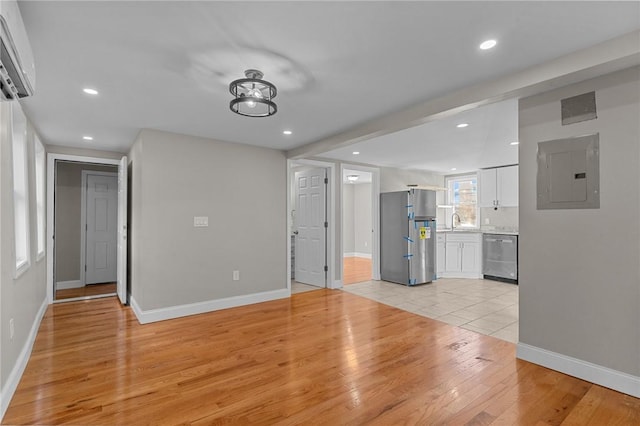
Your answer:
<point x="39" y="158"/>
<point x="454" y="207"/>
<point x="20" y="177"/>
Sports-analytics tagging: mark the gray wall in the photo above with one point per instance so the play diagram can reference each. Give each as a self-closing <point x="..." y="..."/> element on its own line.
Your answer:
<point x="579" y="269"/>
<point x="397" y="179"/>
<point x="68" y="217"/>
<point x="242" y="189"/>
<point x="20" y="298"/>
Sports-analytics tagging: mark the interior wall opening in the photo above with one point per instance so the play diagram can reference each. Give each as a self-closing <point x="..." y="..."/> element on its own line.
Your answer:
<point x="85" y="230"/>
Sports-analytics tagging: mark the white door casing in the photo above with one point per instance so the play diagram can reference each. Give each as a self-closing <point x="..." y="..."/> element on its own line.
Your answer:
<point x="101" y="229"/>
<point x="310" y="220"/>
<point x="122" y="231"/>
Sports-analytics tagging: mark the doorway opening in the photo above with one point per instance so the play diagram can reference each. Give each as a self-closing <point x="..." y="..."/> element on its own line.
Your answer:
<point x="86" y="228"/>
<point x="357" y="226"/>
<point x="85" y="218"/>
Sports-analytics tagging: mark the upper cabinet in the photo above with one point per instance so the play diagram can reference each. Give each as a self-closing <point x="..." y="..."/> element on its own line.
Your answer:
<point x="498" y="187"/>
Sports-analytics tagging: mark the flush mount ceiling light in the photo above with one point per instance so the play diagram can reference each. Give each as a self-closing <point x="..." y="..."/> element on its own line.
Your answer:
<point x="488" y="44"/>
<point x="87" y="138"/>
<point x="352" y="178"/>
<point x="287" y="132"/>
<point x="356" y="152"/>
<point x="514" y="143"/>
<point x="253" y="96"/>
<point x="462" y="125"/>
<point x="90" y="91"/>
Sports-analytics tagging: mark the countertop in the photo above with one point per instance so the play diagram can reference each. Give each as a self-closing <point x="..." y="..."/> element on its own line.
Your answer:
<point x="479" y="231"/>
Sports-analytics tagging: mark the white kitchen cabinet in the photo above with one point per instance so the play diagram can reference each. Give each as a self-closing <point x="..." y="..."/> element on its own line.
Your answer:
<point x="440" y="254"/>
<point x="498" y="187"/>
<point x="463" y="255"/>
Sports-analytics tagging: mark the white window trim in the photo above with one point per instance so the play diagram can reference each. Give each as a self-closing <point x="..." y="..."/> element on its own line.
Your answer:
<point x="453" y="206"/>
<point x="41" y="213"/>
<point x="20" y="266"/>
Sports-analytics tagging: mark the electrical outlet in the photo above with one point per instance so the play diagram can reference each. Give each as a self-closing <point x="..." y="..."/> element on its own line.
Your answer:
<point x="487" y="221"/>
<point x="11" y="329"/>
<point x="236" y="275"/>
<point x="366" y="244"/>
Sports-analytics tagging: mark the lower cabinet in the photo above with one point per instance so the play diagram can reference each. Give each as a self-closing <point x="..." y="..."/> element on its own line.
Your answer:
<point x="462" y="254"/>
<point x="440" y="254"/>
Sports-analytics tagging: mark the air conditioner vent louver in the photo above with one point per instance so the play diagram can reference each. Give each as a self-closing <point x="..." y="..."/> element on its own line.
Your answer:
<point x="9" y="76"/>
<point x="17" y="73"/>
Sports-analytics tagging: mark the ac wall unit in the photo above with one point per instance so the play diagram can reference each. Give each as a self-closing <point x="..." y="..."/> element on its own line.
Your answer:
<point x="17" y="69"/>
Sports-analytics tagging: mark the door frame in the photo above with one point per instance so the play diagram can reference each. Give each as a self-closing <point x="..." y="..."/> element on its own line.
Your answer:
<point x="83" y="218"/>
<point x="51" y="162"/>
<point x="330" y="247"/>
<point x="375" y="216"/>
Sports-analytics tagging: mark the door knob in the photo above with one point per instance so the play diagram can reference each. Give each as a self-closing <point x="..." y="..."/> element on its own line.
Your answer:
<point x="295" y="232"/>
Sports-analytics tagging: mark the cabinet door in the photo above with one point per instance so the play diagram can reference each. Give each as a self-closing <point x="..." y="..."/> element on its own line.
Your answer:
<point x="452" y="257"/>
<point x="440" y="255"/>
<point x="487" y="190"/>
<point x="508" y="186"/>
<point x="470" y="261"/>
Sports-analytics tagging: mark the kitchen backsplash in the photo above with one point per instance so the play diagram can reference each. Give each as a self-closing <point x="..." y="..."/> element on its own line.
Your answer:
<point x="503" y="219"/>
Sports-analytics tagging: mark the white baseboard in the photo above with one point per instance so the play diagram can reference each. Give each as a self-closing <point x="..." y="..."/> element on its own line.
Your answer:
<point x="161" y="314"/>
<point x="21" y="363"/>
<point x="358" y="254"/>
<point x="336" y="284"/>
<point x="63" y="285"/>
<point x="603" y="376"/>
<point x="364" y="255"/>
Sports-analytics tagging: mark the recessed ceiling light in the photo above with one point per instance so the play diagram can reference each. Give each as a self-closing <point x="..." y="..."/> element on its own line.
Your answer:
<point x="453" y="169"/>
<point x="488" y="44"/>
<point x="461" y="125"/>
<point x="87" y="138"/>
<point x="514" y="143"/>
<point x="356" y="153"/>
<point x="287" y="132"/>
<point x="89" y="91"/>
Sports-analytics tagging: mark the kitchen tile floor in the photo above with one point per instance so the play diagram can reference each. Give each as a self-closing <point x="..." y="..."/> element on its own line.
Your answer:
<point x="484" y="306"/>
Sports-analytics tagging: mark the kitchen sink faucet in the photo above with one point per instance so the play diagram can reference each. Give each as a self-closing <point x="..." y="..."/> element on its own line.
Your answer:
<point x="453" y="222"/>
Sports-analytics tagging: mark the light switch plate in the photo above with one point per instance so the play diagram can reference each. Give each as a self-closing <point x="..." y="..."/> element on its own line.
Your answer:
<point x="200" y="221"/>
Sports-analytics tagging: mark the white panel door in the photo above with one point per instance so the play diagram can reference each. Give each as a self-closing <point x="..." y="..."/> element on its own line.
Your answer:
<point x="101" y="229"/>
<point x="310" y="256"/>
<point x="122" y="231"/>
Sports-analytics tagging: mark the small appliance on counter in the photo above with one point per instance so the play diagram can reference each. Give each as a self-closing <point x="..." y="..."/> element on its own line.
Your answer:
<point x="408" y="236"/>
<point x="500" y="257"/>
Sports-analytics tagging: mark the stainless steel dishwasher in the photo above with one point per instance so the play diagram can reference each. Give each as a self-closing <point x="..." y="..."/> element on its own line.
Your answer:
<point x="500" y="257"/>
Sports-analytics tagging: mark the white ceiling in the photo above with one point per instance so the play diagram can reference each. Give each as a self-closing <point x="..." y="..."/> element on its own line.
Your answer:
<point x="441" y="147"/>
<point x="166" y="65"/>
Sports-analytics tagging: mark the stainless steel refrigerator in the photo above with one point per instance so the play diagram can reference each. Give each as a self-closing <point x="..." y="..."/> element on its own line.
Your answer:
<point x="408" y="236"/>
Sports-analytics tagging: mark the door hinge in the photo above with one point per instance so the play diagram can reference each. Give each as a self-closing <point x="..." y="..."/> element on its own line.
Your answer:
<point x="85" y="268"/>
<point x="326" y="268"/>
<point x="326" y="180"/>
<point x="326" y="224"/>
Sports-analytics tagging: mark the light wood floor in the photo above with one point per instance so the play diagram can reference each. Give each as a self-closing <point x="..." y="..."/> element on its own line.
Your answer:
<point x="320" y="357"/>
<point x="88" y="290"/>
<point x="356" y="270"/>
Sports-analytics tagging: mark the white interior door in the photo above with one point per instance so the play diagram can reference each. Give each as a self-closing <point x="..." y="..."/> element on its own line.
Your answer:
<point x="101" y="229"/>
<point x="310" y="224"/>
<point x="122" y="231"/>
